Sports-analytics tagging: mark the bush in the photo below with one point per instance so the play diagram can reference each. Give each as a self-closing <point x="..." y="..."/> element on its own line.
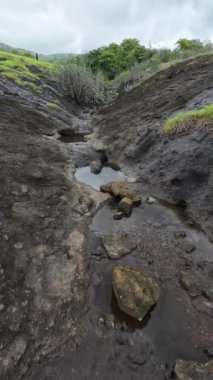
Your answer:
<point x="79" y="84"/>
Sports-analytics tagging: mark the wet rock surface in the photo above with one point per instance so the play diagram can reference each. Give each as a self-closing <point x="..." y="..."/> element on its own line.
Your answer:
<point x="43" y="223"/>
<point x="61" y="242"/>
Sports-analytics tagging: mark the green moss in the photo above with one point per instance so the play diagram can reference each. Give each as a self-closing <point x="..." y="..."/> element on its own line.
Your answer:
<point x="24" y="70"/>
<point x="53" y="106"/>
<point x="189" y="119"/>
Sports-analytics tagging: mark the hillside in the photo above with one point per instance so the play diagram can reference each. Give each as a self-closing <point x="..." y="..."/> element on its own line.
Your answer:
<point x="176" y="166"/>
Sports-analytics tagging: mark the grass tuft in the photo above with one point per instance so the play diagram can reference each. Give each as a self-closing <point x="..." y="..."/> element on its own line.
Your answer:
<point x="53" y="106"/>
<point x="202" y="118"/>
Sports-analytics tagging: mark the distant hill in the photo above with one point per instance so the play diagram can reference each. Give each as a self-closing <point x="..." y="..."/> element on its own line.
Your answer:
<point x="48" y="57"/>
<point x="5" y="47"/>
<point x="56" y="56"/>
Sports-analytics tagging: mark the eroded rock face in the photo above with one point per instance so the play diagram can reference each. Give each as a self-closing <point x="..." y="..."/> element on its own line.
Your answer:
<point x="135" y="291"/>
<point x="193" y="371"/>
<point x="177" y="168"/>
<point x="43" y="274"/>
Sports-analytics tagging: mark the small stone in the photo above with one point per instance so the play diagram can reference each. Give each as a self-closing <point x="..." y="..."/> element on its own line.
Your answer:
<point x="131" y="179"/>
<point x="18" y="245"/>
<point x="135" y="291"/>
<point x="179" y="234"/>
<point x="117" y="246"/>
<point x="188" y="283"/>
<point x="186" y="370"/>
<point x="208" y="293"/>
<point x="209" y="351"/>
<point x="118" y="215"/>
<point x="126" y="206"/>
<point x="24" y="189"/>
<point x="107" y="320"/>
<point x="189" y="247"/>
<point x="1" y="306"/>
<point x="150" y="200"/>
<point x="96" y="167"/>
<point x="106" y="188"/>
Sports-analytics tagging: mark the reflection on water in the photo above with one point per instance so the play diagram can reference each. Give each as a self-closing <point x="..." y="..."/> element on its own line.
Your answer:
<point x="107" y="174"/>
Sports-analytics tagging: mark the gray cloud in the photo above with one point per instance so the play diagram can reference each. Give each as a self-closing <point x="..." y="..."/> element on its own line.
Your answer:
<point x="50" y="26"/>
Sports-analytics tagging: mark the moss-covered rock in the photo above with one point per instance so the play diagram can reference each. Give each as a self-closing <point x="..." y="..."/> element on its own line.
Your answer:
<point x="135" y="291"/>
<point x="121" y="190"/>
<point x="126" y="206"/>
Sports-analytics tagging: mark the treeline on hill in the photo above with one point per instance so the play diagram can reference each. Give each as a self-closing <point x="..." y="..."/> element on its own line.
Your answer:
<point x="101" y="74"/>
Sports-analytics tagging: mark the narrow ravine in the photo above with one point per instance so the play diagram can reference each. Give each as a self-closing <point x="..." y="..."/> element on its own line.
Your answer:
<point x="162" y="240"/>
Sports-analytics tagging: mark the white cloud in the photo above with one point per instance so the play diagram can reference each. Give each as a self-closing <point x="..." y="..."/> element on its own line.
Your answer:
<point x="68" y="26"/>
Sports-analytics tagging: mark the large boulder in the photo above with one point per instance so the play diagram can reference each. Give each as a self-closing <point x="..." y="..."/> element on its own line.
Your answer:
<point x="135" y="291"/>
<point x="186" y="370"/>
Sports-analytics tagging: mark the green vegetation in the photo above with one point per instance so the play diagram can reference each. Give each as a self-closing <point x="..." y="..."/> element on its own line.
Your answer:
<point x="53" y="106"/>
<point x="100" y="75"/>
<point x="23" y="69"/>
<point x="125" y="65"/>
<point x="114" y="59"/>
<point x="202" y="118"/>
<point x="79" y="84"/>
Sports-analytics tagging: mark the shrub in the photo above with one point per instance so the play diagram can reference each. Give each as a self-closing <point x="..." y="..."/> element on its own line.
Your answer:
<point x="79" y="84"/>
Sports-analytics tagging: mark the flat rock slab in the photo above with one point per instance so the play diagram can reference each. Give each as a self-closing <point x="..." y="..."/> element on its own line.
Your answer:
<point x="135" y="291"/>
<point x="185" y="370"/>
<point x="117" y="246"/>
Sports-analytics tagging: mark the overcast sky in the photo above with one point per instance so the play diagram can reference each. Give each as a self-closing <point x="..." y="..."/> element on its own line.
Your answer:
<point x="49" y="26"/>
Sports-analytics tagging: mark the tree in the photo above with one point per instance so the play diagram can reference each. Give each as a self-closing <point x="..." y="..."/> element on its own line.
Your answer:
<point x="185" y="44"/>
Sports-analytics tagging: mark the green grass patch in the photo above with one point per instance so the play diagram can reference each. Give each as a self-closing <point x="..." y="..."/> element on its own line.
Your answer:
<point x="202" y="118"/>
<point x="25" y="71"/>
<point x="53" y="106"/>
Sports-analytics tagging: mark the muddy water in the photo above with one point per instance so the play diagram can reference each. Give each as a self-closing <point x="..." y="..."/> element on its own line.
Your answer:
<point x="119" y="348"/>
<point x="75" y="138"/>
<point x="107" y="174"/>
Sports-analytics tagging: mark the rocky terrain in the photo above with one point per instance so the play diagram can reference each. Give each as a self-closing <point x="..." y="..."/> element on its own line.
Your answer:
<point x="87" y="294"/>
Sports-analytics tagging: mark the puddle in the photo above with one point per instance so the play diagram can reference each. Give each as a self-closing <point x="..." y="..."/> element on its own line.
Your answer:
<point x="173" y="325"/>
<point x="159" y="215"/>
<point x="107" y="174"/>
<point x="75" y="138"/>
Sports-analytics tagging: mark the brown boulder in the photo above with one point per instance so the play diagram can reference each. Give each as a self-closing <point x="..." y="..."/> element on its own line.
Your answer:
<point x="135" y="291"/>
